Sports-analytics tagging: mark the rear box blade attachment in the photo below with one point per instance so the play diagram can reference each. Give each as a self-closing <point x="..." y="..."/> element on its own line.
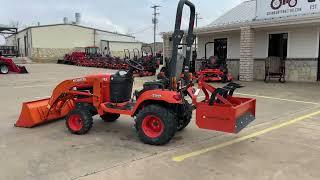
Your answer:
<point x="226" y="118"/>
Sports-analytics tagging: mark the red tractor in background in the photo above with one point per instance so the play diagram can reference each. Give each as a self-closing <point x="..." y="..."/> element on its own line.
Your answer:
<point x="7" y="65"/>
<point x="160" y="109"/>
<point x="81" y="58"/>
<point x="214" y="69"/>
<point x="148" y="61"/>
<point x="92" y="58"/>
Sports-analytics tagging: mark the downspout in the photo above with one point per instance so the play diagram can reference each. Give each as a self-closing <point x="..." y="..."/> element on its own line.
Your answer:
<point x="94" y="37"/>
<point x="31" y="49"/>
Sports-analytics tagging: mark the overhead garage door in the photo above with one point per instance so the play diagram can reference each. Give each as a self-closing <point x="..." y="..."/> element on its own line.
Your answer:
<point x="120" y="46"/>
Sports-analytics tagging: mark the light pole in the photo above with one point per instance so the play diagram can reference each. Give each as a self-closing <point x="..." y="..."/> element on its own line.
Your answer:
<point x="155" y="21"/>
<point x="197" y="19"/>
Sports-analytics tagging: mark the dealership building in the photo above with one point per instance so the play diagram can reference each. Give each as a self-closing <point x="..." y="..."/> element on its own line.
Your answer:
<point x="50" y="42"/>
<point x="257" y="30"/>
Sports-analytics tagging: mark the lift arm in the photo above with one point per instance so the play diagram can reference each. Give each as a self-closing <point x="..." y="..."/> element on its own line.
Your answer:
<point x="61" y="102"/>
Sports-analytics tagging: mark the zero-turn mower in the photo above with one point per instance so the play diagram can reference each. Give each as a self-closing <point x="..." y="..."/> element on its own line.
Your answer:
<point x="160" y="109"/>
<point x="214" y="69"/>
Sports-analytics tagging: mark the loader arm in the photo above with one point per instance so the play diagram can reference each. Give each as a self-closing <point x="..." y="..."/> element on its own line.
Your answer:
<point x="64" y="89"/>
<point x="61" y="102"/>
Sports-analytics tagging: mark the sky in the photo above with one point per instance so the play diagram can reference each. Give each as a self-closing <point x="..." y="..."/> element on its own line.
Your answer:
<point x="123" y="16"/>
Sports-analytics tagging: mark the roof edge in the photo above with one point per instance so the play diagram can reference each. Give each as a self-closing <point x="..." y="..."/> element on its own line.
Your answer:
<point x="81" y="26"/>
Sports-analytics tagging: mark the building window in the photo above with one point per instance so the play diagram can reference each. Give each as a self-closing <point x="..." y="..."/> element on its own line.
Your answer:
<point x="221" y="48"/>
<point x="278" y="45"/>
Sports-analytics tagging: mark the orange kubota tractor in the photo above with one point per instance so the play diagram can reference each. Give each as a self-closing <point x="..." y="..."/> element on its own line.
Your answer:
<point x="160" y="108"/>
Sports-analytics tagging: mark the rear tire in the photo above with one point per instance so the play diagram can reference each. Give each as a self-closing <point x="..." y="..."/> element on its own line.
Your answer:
<point x="4" y="69"/>
<point x="79" y="121"/>
<point x="108" y="117"/>
<point x="155" y="125"/>
<point x="184" y="121"/>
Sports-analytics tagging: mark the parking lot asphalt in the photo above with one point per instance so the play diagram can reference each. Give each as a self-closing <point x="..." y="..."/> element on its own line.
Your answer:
<point x="282" y="143"/>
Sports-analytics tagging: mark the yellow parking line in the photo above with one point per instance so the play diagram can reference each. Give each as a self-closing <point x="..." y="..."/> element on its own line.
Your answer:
<point x="280" y="99"/>
<point x="240" y="139"/>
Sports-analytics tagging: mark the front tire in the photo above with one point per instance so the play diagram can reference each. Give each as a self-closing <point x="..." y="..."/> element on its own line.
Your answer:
<point x="156" y="125"/>
<point x="4" y="69"/>
<point x="79" y="121"/>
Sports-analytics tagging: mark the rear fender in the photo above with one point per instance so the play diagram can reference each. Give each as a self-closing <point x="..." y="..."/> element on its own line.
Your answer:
<point x="162" y="97"/>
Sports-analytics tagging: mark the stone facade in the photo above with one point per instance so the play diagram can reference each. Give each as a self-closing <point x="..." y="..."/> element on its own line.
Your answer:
<point x="233" y="67"/>
<point x="259" y="69"/>
<point x="297" y="70"/>
<point x="43" y="55"/>
<point x="246" y="54"/>
<point x="258" y="72"/>
<point x="303" y="70"/>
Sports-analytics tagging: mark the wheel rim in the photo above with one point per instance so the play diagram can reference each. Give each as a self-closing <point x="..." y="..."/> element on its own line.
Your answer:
<point x="152" y="126"/>
<point x="4" y="69"/>
<point x="75" y="122"/>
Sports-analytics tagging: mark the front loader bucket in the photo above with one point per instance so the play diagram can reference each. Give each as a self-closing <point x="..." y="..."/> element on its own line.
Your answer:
<point x="230" y="118"/>
<point x="37" y="112"/>
<point x="23" y="70"/>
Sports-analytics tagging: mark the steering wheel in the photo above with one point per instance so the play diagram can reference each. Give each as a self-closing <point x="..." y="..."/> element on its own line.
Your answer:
<point x="135" y="65"/>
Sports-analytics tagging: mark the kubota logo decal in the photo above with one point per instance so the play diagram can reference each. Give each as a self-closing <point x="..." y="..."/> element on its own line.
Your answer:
<point x="79" y="80"/>
<point x="277" y="4"/>
<point x="156" y="96"/>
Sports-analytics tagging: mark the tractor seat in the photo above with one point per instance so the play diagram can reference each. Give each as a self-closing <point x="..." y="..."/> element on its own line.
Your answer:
<point x="153" y="85"/>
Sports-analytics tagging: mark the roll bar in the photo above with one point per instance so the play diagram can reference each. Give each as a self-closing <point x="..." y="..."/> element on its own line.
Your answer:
<point x="177" y="37"/>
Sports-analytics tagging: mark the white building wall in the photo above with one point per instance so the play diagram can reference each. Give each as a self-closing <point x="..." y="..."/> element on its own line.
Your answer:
<point x="61" y="36"/>
<point x="106" y="36"/>
<point x="233" y="44"/>
<point x="303" y="43"/>
<point x="260" y="48"/>
<point x="117" y="48"/>
<point x="52" y="42"/>
<point x="117" y="42"/>
<point x="13" y="41"/>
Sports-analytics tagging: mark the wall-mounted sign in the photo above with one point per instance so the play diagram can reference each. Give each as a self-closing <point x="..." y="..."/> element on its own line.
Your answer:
<point x="280" y="8"/>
